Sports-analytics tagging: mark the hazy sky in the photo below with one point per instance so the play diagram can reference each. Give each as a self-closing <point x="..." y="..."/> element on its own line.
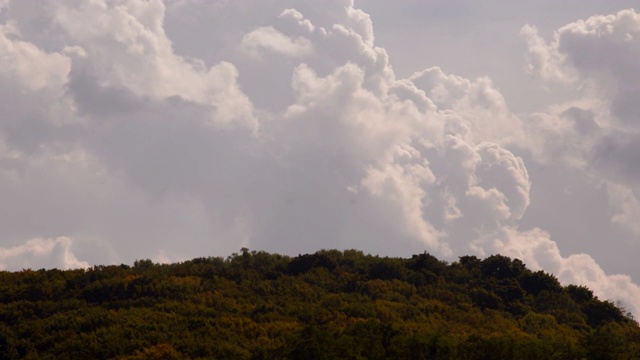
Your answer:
<point x="185" y="128"/>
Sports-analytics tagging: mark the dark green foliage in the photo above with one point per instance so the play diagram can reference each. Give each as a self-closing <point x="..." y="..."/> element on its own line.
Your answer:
<point x="327" y="305"/>
<point x="601" y="312"/>
<point x="536" y="282"/>
<point x="501" y="267"/>
<point x="304" y="263"/>
<point x="579" y="294"/>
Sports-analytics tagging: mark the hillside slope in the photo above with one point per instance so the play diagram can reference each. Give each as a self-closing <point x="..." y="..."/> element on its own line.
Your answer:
<point x="328" y="305"/>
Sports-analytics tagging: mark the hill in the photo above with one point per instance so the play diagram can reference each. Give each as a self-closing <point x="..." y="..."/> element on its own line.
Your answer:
<point x="328" y="305"/>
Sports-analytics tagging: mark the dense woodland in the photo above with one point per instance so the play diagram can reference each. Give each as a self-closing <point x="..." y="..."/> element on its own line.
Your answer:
<point x="328" y="305"/>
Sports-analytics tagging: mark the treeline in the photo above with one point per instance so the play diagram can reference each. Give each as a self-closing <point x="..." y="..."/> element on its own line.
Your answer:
<point x="328" y="305"/>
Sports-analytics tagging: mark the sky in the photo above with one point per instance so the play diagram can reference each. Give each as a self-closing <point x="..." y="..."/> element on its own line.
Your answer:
<point x="176" y="129"/>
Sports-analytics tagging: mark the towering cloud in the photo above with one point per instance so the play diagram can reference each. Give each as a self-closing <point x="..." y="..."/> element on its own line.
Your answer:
<point x="171" y="130"/>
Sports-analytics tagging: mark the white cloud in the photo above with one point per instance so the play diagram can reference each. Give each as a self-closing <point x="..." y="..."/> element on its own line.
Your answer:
<point x="321" y="146"/>
<point x="626" y="207"/>
<point x="481" y="108"/>
<point x="32" y="82"/>
<point x="544" y="60"/>
<point x="41" y="253"/>
<point x="539" y="252"/>
<point x="297" y="18"/>
<point x="126" y="47"/>
<point x="600" y="53"/>
<point x="597" y="132"/>
<point x="507" y="172"/>
<point x="29" y="66"/>
<point x="269" y="39"/>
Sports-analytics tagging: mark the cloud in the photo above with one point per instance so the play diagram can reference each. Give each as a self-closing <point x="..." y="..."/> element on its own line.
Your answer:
<point x="125" y="46"/>
<point x="539" y="252"/>
<point x="41" y="253"/>
<point x="598" y="131"/>
<point x="269" y="39"/>
<point x="29" y="66"/>
<point x="298" y="19"/>
<point x="293" y="133"/>
<point x="625" y="206"/>
<point x="544" y="60"/>
<point x="473" y="103"/>
<point x="600" y="53"/>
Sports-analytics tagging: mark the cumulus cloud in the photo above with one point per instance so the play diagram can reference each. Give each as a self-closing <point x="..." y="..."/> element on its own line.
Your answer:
<point x="539" y="252"/>
<point x="469" y="104"/>
<point x="625" y="206"/>
<point x="595" y="133"/>
<point x="29" y="66"/>
<point x="41" y="253"/>
<point x="543" y="60"/>
<point x="294" y="134"/>
<point x="298" y="19"/>
<point x="269" y="39"/>
<point x="598" y="130"/>
<point x="125" y="46"/>
<point x="600" y="53"/>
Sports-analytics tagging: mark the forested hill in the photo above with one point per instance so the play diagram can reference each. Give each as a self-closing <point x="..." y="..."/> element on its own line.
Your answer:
<point x="327" y="305"/>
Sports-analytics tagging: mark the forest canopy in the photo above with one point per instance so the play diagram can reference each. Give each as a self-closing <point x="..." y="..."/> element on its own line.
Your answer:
<point x="327" y="305"/>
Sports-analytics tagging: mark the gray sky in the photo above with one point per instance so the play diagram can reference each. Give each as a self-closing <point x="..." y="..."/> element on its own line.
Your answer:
<point x="185" y="128"/>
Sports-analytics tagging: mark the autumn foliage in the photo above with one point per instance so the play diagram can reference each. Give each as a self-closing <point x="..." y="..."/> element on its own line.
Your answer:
<point x="328" y="305"/>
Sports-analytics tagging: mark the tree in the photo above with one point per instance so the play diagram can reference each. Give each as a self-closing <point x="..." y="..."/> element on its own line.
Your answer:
<point x="501" y="267"/>
<point x="536" y="282"/>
